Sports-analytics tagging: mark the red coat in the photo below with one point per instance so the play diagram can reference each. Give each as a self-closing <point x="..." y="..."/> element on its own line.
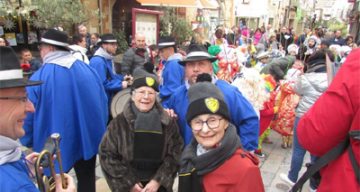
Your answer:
<point x="328" y="122"/>
<point x="237" y="174"/>
<point x="266" y="116"/>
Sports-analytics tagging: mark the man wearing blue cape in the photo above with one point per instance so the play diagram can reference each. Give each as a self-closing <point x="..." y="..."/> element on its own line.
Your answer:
<point x="71" y="101"/>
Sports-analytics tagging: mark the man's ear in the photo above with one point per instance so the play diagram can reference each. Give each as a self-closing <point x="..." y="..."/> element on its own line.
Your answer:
<point x="212" y="68"/>
<point x="226" y="124"/>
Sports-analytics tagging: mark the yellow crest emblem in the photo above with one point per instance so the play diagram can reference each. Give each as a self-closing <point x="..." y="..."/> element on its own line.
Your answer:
<point x="150" y="81"/>
<point x="212" y="104"/>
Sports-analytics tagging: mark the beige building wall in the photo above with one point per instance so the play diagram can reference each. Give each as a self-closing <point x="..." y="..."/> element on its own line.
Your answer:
<point x="103" y="23"/>
<point x="229" y="13"/>
<point x="191" y="13"/>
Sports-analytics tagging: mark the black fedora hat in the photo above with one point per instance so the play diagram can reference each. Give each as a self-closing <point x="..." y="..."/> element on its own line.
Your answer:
<point x="56" y="38"/>
<point x="197" y="52"/>
<point x="11" y="74"/>
<point x="166" y="41"/>
<point x="107" y="38"/>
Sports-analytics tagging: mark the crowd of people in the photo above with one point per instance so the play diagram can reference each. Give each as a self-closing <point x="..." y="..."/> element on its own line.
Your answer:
<point x="200" y="113"/>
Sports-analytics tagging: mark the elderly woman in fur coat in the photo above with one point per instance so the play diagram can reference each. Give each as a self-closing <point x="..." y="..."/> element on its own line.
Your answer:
<point x="142" y="146"/>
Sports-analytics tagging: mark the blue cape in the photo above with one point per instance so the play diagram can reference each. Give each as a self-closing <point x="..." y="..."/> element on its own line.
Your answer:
<point x="71" y="102"/>
<point x="14" y="177"/>
<point x="112" y="82"/>
<point x="172" y="78"/>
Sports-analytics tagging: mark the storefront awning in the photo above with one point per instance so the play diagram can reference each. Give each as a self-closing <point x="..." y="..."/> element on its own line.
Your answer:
<point x="168" y="3"/>
<point x="208" y="4"/>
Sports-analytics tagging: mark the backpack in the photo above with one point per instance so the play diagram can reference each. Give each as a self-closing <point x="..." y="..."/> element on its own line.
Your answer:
<point x="328" y="157"/>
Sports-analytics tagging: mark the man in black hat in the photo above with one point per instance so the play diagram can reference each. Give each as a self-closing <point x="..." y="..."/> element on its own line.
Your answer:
<point x="14" y="166"/>
<point x="173" y="73"/>
<point x="135" y="56"/>
<point x="72" y="102"/>
<point x="198" y="61"/>
<point x="103" y="62"/>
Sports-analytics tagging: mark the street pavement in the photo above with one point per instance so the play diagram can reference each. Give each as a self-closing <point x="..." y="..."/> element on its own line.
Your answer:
<point x="277" y="161"/>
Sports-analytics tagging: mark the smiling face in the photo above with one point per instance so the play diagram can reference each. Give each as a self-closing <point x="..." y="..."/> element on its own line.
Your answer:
<point x="144" y="98"/>
<point x="13" y="112"/>
<point x="207" y="137"/>
<point x="194" y="68"/>
<point x="26" y="56"/>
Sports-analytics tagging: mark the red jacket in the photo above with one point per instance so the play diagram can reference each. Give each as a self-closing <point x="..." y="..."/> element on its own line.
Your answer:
<point x="328" y="122"/>
<point x="237" y="174"/>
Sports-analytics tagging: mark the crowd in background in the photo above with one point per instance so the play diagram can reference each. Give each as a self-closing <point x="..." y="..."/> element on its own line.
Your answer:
<point x="264" y="79"/>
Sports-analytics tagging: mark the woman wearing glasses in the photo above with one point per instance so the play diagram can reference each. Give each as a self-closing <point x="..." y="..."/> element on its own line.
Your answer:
<point x="215" y="160"/>
<point x="141" y="149"/>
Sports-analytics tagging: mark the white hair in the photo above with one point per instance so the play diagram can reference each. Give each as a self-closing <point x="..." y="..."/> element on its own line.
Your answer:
<point x="293" y="48"/>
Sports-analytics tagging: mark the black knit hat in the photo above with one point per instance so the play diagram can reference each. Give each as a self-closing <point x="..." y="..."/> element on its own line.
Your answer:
<point x="107" y="38"/>
<point x="206" y="98"/>
<point x="11" y="74"/>
<point x="56" y="38"/>
<point x="143" y="78"/>
<point x="197" y="52"/>
<point x="166" y="41"/>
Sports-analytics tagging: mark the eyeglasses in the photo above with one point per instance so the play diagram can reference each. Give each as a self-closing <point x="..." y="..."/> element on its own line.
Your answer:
<point x="212" y="123"/>
<point x="143" y="93"/>
<point x="19" y="98"/>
